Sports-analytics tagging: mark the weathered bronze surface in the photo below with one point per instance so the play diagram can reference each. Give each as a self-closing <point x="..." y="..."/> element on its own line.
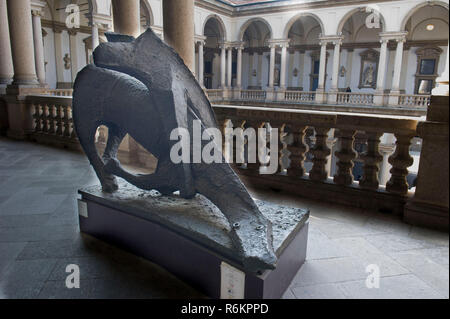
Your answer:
<point x="142" y="87"/>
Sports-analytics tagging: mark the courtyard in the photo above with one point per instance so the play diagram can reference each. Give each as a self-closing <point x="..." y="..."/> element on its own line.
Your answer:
<point x="39" y="237"/>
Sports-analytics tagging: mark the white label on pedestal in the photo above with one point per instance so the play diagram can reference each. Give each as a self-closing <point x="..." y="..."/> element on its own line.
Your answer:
<point x="82" y="208"/>
<point x="232" y="284"/>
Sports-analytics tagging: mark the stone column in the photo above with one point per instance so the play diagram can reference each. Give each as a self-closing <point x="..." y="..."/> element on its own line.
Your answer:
<point x="6" y="63"/>
<point x="320" y="92"/>
<point x="250" y="69"/>
<point x="201" y="64"/>
<point x="21" y="31"/>
<point x="223" y="61"/>
<point x="127" y="17"/>
<point x="290" y="68"/>
<point x="73" y="53"/>
<point x="178" y="19"/>
<point x="349" y="66"/>
<point x="239" y="49"/>
<point x="284" y="47"/>
<point x="259" y="70"/>
<point x="301" y="71"/>
<point x="378" y="98"/>
<point x="272" y="66"/>
<point x="57" y="33"/>
<point x="393" y="99"/>
<point x="229" y="68"/>
<point x="38" y="46"/>
<point x="95" y="38"/>
<point x="335" y="75"/>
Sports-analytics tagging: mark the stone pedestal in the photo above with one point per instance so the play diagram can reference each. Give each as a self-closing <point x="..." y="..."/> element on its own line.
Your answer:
<point x="430" y="205"/>
<point x="320" y="96"/>
<point x="20" y="121"/>
<point x="280" y="94"/>
<point x="190" y="239"/>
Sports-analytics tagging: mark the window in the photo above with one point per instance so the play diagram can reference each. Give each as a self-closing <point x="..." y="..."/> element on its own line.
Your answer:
<point x="426" y="73"/>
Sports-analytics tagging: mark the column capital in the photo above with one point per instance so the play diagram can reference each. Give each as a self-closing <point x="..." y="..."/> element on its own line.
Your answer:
<point x="225" y="45"/>
<point x="101" y="21"/>
<point x="282" y="43"/>
<point x="37" y="7"/>
<point x="72" y="31"/>
<point x="200" y="39"/>
<point x="239" y="45"/>
<point x="334" y="39"/>
<point x="399" y="36"/>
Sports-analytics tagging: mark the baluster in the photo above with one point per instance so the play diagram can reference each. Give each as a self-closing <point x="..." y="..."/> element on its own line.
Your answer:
<point x="255" y="125"/>
<point x="297" y="149"/>
<point x="73" y="134"/>
<point x="37" y="117"/>
<point x="66" y="122"/>
<point x="321" y="153"/>
<point x="346" y="155"/>
<point x="45" y="118"/>
<point x="240" y="146"/>
<point x="59" y="121"/>
<point x="372" y="159"/>
<point x="400" y="162"/>
<point x="283" y="152"/>
<point x="51" y="119"/>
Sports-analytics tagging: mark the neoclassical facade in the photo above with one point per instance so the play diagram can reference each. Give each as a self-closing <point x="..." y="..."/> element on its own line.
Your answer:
<point x="382" y="52"/>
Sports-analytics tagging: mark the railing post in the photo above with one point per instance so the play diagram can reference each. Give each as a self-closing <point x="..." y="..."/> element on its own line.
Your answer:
<point x="430" y="205"/>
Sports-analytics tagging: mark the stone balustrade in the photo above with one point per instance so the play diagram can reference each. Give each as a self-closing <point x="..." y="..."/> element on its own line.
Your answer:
<point x="333" y="134"/>
<point x="52" y="120"/>
<point x="354" y="98"/>
<point x="59" y="92"/>
<point x="253" y="95"/>
<point x="413" y="105"/>
<point x="413" y="100"/>
<point x="318" y="184"/>
<point x="299" y="96"/>
<point x="214" y="95"/>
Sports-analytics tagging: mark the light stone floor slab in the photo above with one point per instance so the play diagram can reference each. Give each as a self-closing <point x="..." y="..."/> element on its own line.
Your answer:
<point x="39" y="237"/>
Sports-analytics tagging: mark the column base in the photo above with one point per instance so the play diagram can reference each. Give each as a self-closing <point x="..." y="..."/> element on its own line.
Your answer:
<point x="280" y="94"/>
<point x="20" y="121"/>
<point x="270" y="94"/>
<point x="320" y="96"/>
<point x="393" y="98"/>
<point x="426" y="215"/>
<point x="237" y="93"/>
<point x="378" y="98"/>
<point x="332" y="96"/>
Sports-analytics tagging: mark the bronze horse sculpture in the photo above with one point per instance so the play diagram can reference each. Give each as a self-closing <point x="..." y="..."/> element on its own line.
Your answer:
<point x="142" y="87"/>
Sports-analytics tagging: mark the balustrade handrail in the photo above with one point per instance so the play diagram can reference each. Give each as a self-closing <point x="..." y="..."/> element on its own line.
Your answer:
<point x="293" y="176"/>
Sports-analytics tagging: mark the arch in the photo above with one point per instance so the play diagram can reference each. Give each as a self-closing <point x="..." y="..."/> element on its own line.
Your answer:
<point x="148" y="8"/>
<point x="356" y="10"/>
<point x="222" y="28"/>
<point x="417" y="8"/>
<point x="295" y="18"/>
<point x="249" y="22"/>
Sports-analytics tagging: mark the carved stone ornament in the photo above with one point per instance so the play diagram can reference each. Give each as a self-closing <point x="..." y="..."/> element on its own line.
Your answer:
<point x="67" y="61"/>
<point x="142" y="87"/>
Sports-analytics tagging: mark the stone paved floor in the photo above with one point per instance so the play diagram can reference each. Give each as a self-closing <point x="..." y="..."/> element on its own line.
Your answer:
<point x="39" y="237"/>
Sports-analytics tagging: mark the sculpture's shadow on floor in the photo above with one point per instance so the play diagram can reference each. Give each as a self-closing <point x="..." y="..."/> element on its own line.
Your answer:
<point x="116" y="273"/>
